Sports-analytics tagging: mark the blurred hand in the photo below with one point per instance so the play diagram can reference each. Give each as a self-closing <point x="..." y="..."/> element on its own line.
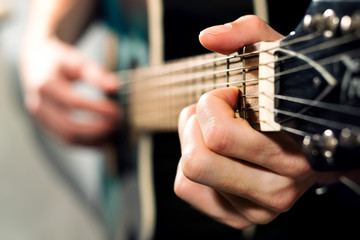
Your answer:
<point x="49" y="68"/>
<point x="228" y="170"/>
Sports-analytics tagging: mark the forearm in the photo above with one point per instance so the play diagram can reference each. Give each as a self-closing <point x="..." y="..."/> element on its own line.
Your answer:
<point x="63" y="19"/>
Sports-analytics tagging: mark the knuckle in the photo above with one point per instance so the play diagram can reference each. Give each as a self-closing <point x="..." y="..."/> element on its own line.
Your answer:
<point x="188" y="111"/>
<point x="295" y="166"/>
<point x="298" y="170"/>
<point x="238" y="222"/>
<point x="181" y="188"/>
<point x="282" y="202"/>
<point x="215" y="136"/>
<point x="255" y="21"/>
<point x="185" y="114"/>
<point x="193" y="167"/>
<point x="262" y="216"/>
<point x="215" y="133"/>
<point x="278" y="193"/>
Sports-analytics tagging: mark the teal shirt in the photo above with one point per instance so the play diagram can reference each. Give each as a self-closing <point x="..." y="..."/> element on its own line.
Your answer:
<point x="128" y="19"/>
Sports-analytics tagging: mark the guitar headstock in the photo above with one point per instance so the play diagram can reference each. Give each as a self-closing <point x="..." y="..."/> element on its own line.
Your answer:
<point x="317" y="84"/>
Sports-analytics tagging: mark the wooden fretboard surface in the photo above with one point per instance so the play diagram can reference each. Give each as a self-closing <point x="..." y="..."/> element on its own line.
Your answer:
<point x="156" y="95"/>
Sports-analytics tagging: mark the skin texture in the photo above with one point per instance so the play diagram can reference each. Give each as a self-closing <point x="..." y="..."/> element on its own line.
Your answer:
<point x="49" y="66"/>
<point x="229" y="171"/>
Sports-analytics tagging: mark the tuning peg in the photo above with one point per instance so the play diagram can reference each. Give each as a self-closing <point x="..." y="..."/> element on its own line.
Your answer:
<point x="326" y="23"/>
<point x="329" y="143"/>
<point x="312" y="23"/>
<point x="350" y="24"/>
<point x="349" y="138"/>
<point x="321" y="145"/>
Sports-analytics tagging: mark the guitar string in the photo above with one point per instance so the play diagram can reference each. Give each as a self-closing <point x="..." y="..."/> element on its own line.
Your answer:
<point x="331" y="43"/>
<point x="324" y="61"/>
<point x="345" y="109"/>
<point x="154" y="116"/>
<point x="334" y="107"/>
<point x="329" y="106"/>
<point x="249" y="68"/>
<point x="234" y="69"/>
<point x="161" y="106"/>
<point x="320" y="121"/>
<point x="354" y="187"/>
<point x="201" y="62"/>
<point x="200" y="86"/>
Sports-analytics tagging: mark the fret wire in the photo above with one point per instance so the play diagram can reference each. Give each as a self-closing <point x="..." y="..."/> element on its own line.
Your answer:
<point x="193" y="64"/>
<point x="185" y="77"/>
<point x="178" y="102"/>
<point x="178" y="107"/>
<point x="220" y="85"/>
<point x="153" y="85"/>
<point x="244" y="85"/>
<point x="167" y="73"/>
<point x="152" y="118"/>
<point x="153" y="96"/>
<point x="227" y="72"/>
<point x="214" y="75"/>
<point x="179" y="92"/>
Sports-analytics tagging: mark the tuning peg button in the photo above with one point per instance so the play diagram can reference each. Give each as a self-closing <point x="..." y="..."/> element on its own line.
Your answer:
<point x="326" y="23"/>
<point x="350" y="24"/>
<point x="349" y="138"/>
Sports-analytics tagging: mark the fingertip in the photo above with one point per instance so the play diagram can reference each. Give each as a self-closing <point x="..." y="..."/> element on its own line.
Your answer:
<point x="185" y="114"/>
<point x="215" y="39"/>
<point x="217" y="30"/>
<point x="230" y="37"/>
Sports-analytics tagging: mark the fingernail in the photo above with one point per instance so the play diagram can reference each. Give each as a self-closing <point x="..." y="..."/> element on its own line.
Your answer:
<point x="217" y="30"/>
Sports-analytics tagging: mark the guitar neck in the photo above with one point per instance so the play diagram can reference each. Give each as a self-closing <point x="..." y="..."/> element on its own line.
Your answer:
<point x="158" y="94"/>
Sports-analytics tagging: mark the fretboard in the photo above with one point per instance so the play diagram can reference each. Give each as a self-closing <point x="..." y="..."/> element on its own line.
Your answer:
<point x="158" y="94"/>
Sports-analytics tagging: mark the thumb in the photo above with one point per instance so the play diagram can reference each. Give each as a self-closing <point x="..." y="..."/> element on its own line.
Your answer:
<point x="232" y="36"/>
<point x="100" y="77"/>
<point x="80" y="67"/>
